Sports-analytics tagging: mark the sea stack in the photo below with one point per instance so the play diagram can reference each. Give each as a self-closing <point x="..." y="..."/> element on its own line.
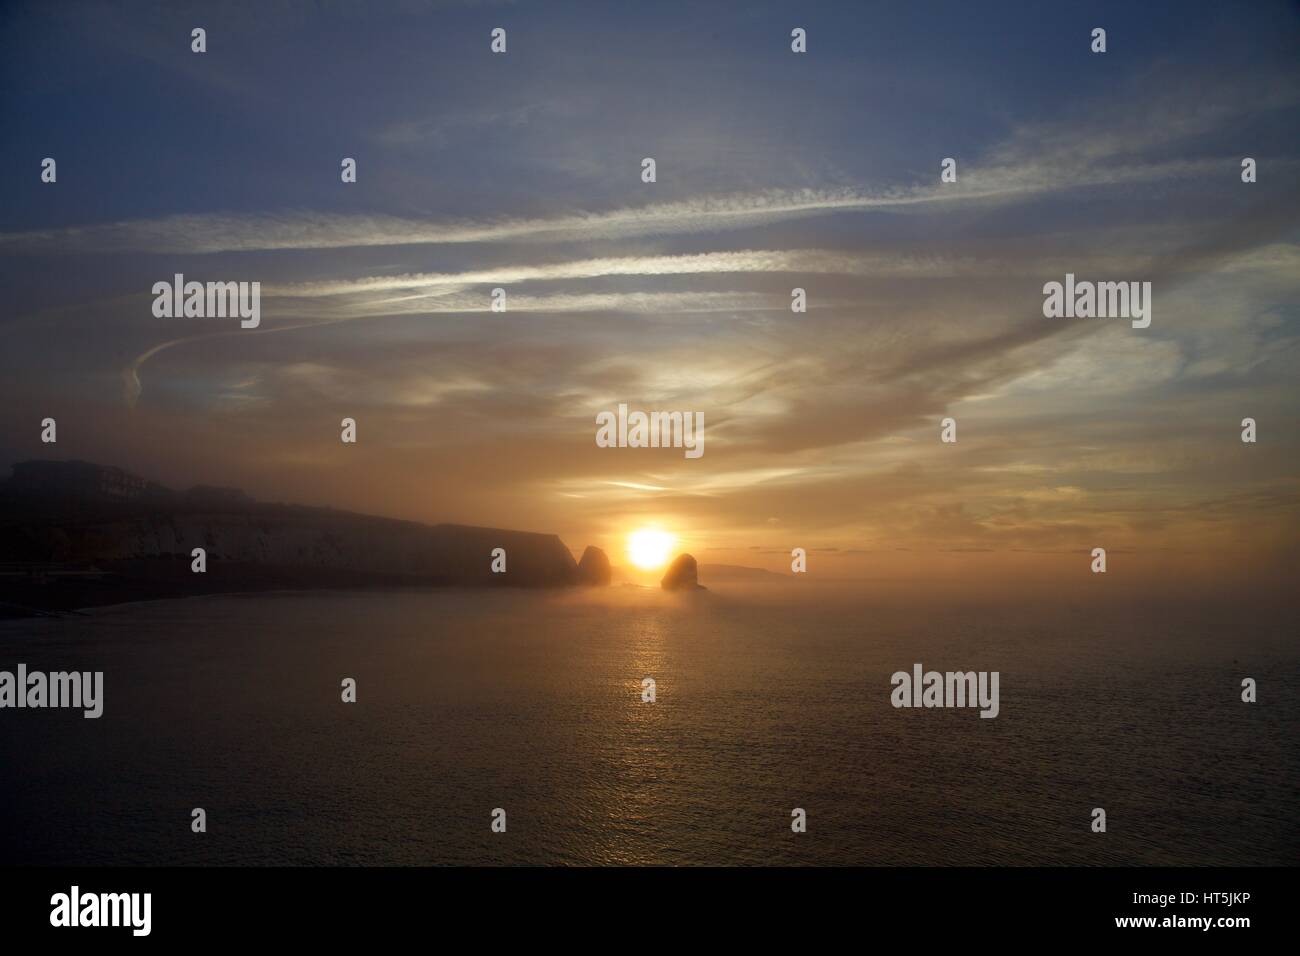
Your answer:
<point x="682" y="575"/>
<point x="593" y="569"/>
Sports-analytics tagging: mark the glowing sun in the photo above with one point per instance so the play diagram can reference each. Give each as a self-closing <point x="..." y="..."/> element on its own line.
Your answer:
<point x="649" y="549"/>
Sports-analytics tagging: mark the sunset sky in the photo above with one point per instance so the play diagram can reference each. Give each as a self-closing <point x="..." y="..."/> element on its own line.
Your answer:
<point x="774" y="170"/>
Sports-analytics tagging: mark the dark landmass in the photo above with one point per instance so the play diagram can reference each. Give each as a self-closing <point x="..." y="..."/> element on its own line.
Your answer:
<point x="593" y="568"/>
<point x="739" y="572"/>
<point x="682" y="575"/>
<point x="76" y="534"/>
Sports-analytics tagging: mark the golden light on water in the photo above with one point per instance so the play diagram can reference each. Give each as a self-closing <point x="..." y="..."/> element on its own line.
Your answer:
<point x="649" y="548"/>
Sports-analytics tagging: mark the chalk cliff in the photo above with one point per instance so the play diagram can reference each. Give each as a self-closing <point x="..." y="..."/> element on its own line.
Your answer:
<point x="85" y="516"/>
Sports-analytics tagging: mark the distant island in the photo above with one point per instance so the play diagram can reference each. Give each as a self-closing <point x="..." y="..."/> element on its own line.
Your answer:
<point x="76" y="534"/>
<point x="738" y="572"/>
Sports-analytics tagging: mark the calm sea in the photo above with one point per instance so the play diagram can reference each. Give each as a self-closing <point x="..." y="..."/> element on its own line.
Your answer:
<point x="531" y="702"/>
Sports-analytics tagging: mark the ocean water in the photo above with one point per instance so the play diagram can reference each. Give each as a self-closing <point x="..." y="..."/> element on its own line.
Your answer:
<point x="531" y="702"/>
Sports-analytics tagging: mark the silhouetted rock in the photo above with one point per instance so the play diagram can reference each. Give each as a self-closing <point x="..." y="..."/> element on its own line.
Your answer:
<point x="681" y="575"/>
<point x="593" y="569"/>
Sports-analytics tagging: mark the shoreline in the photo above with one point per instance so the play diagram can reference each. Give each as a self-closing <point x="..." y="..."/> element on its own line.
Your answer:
<point x="27" y="600"/>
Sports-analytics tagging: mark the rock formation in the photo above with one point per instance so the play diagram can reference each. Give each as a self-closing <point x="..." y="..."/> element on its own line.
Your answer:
<point x="593" y="569"/>
<point x="681" y="575"/>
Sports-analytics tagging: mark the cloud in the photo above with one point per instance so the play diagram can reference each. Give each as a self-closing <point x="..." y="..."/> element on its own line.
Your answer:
<point x="924" y="302"/>
<point x="203" y="234"/>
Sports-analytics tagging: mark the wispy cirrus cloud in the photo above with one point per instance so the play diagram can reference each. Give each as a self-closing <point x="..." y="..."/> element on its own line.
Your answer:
<point x="212" y="233"/>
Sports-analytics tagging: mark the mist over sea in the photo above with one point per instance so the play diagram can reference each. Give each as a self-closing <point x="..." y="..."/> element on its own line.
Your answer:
<point x="768" y="698"/>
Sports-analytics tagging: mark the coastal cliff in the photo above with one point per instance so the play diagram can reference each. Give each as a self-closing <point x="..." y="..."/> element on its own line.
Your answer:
<point x="96" y="529"/>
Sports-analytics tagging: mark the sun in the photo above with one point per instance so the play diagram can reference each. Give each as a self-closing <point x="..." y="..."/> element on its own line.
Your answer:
<point x="649" y="549"/>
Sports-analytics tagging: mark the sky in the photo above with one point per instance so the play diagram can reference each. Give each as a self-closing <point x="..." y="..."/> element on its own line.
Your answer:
<point x="774" y="170"/>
